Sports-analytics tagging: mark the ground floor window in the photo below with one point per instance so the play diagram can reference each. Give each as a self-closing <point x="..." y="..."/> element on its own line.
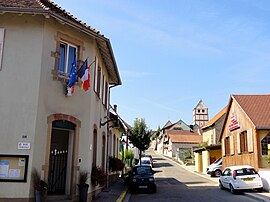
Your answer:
<point x="265" y="143"/>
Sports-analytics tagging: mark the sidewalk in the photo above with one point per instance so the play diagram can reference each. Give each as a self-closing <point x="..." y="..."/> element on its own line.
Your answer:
<point x="116" y="192"/>
<point x="264" y="196"/>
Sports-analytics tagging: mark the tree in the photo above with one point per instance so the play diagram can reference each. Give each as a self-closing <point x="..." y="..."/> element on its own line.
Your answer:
<point x="139" y="135"/>
<point x="156" y="134"/>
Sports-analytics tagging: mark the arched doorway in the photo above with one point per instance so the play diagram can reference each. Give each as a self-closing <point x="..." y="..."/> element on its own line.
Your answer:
<point x="60" y="169"/>
<point x="60" y="157"/>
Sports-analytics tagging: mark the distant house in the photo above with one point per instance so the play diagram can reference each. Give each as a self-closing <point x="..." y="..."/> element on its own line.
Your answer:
<point x="210" y="134"/>
<point x="179" y="125"/>
<point x="245" y="135"/>
<point x="178" y="142"/>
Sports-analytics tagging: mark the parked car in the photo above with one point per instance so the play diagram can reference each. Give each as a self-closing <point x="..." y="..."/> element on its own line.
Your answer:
<point x="145" y="161"/>
<point x="142" y="178"/>
<point x="242" y="177"/>
<point x="150" y="156"/>
<point x="215" y="169"/>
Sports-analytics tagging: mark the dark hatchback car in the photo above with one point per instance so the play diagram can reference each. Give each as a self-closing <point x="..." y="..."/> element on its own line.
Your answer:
<point x="142" y="178"/>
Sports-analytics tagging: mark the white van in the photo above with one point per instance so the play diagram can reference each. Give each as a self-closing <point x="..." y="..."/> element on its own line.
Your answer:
<point x="215" y="169"/>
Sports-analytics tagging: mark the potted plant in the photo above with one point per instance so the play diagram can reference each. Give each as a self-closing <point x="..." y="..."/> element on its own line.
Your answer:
<point x="40" y="186"/>
<point x="83" y="187"/>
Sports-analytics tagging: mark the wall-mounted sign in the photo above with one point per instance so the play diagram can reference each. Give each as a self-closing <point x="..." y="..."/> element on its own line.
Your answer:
<point x="234" y="124"/>
<point x="23" y="145"/>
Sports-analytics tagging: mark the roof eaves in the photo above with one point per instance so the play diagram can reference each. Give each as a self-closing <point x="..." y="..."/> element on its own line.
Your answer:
<point x="226" y="117"/>
<point x="22" y="10"/>
<point x="199" y="149"/>
<point x="114" y="61"/>
<point x="208" y="126"/>
<point x="44" y="11"/>
<point x="262" y="128"/>
<point x="79" y="25"/>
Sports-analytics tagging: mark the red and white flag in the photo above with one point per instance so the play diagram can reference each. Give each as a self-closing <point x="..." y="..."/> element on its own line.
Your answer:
<point x="86" y="79"/>
<point x="84" y="74"/>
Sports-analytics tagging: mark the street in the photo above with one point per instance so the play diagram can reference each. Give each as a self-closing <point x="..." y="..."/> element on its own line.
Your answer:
<point x="175" y="183"/>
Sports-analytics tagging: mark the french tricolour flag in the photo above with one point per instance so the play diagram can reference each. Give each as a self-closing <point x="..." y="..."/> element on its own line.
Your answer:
<point x="84" y="74"/>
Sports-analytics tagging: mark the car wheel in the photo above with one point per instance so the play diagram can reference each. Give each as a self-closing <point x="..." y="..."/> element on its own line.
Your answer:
<point x="232" y="190"/>
<point x="259" y="189"/>
<point x="217" y="173"/>
<point x="220" y="185"/>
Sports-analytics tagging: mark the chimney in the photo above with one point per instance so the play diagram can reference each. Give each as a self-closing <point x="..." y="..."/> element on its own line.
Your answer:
<point x="115" y="108"/>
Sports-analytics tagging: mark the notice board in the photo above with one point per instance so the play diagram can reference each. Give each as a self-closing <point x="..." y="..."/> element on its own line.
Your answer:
<point x="13" y="168"/>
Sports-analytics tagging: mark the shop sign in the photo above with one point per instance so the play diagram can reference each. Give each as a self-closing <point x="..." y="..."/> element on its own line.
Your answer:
<point x="234" y="124"/>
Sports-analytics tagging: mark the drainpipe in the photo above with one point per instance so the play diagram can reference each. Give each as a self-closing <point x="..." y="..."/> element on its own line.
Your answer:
<point x="108" y="134"/>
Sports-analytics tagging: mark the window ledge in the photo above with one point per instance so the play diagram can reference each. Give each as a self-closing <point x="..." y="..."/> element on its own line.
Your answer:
<point x="60" y="77"/>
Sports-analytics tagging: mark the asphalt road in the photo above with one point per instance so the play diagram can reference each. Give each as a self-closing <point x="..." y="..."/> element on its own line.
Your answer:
<point x="175" y="183"/>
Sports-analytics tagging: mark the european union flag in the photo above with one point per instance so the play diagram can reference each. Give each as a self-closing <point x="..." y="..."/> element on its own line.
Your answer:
<point x="72" y="78"/>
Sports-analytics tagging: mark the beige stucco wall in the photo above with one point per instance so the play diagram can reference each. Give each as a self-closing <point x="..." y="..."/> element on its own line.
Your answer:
<point x="30" y="94"/>
<point x="205" y="160"/>
<point x="209" y="136"/>
<point x="198" y="161"/>
<point x="19" y="87"/>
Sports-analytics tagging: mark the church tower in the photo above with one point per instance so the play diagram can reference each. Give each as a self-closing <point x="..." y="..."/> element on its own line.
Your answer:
<point x="200" y="114"/>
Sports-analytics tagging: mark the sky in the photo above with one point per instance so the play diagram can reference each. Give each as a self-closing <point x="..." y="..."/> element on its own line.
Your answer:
<point x="171" y="54"/>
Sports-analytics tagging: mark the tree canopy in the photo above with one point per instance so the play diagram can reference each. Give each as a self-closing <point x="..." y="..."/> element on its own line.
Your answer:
<point x="139" y="135"/>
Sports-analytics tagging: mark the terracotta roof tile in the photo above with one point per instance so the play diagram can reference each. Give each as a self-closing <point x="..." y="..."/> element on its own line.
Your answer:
<point x="21" y="4"/>
<point x="257" y="108"/>
<point x="186" y="138"/>
<point x="181" y="132"/>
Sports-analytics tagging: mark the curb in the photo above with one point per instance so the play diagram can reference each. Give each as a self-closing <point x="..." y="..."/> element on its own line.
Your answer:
<point x="256" y="197"/>
<point x="183" y="166"/>
<point x="122" y="196"/>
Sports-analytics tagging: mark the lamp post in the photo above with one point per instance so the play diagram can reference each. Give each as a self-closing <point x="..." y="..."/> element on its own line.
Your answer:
<point x="123" y="154"/>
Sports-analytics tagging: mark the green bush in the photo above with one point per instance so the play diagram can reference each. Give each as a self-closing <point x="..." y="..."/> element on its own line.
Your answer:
<point x="129" y="157"/>
<point x="129" y="154"/>
<point x="187" y="155"/>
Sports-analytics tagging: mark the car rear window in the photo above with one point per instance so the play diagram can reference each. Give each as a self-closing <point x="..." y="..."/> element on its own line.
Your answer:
<point x="143" y="170"/>
<point x="245" y="171"/>
<point x="148" y="156"/>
